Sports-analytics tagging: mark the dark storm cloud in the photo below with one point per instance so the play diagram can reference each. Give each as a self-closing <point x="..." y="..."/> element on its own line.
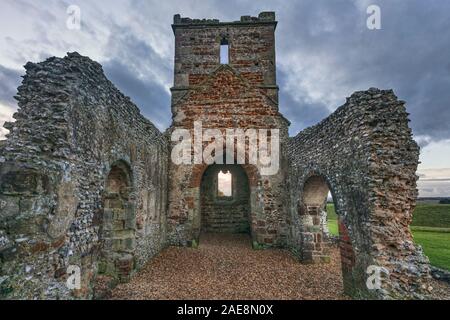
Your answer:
<point x="139" y="72"/>
<point x="150" y="97"/>
<point x="301" y="114"/>
<point x="411" y="54"/>
<point x="324" y="53"/>
<point x="9" y="81"/>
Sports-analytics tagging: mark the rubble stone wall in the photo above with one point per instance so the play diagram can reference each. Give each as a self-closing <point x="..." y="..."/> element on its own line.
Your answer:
<point x="365" y="154"/>
<point x="72" y="127"/>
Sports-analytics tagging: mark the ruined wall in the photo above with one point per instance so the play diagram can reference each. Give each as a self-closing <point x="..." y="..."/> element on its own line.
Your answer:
<point x="72" y="127"/>
<point x="365" y="153"/>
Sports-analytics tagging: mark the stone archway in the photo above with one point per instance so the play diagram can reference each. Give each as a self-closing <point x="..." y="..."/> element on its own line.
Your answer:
<point x="312" y="211"/>
<point x="117" y="230"/>
<point x="223" y="212"/>
<point x="192" y="198"/>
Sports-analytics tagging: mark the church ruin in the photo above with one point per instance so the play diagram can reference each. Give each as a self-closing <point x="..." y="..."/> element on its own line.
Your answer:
<point x="87" y="181"/>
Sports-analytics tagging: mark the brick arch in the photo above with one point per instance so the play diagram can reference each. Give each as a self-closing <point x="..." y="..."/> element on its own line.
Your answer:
<point x="221" y="215"/>
<point x="193" y="199"/>
<point x="315" y="188"/>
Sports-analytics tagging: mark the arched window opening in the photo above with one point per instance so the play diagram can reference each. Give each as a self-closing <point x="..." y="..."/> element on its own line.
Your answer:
<point x="224" y="51"/>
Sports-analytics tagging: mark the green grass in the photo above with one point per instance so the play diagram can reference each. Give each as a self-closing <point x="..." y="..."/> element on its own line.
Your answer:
<point x="432" y="215"/>
<point x="430" y="229"/>
<point x="436" y="246"/>
<point x="333" y="227"/>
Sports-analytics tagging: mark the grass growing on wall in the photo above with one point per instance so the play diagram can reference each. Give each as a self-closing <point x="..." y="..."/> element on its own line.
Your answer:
<point x="430" y="229"/>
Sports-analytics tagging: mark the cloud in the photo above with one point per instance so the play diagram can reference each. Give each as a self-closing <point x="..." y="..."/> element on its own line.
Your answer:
<point x="435" y="154"/>
<point x="434" y="182"/>
<point x="441" y="174"/>
<point x="434" y="189"/>
<point x="324" y="53"/>
<point x="9" y="81"/>
<point x="152" y="98"/>
<point x="6" y="113"/>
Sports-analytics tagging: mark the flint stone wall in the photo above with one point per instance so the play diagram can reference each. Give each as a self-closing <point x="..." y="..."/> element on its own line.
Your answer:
<point x="368" y="158"/>
<point x="72" y="126"/>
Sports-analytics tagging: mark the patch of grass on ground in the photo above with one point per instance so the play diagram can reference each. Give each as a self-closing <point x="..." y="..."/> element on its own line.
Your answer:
<point x="333" y="227"/>
<point x="430" y="229"/>
<point x="436" y="246"/>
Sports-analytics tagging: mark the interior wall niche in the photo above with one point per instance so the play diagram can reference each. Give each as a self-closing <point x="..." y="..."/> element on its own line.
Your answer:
<point x="118" y="227"/>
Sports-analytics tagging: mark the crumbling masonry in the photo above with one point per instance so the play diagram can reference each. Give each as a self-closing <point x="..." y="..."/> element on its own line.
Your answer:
<point x="87" y="181"/>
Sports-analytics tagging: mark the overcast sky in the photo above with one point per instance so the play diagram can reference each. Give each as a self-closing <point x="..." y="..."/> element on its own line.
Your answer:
<point x="324" y="53"/>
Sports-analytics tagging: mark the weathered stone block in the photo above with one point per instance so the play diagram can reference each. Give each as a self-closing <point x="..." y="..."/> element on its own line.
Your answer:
<point x="9" y="206"/>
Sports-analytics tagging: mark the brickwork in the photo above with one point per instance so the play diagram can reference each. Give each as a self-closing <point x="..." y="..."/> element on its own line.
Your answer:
<point x="242" y="94"/>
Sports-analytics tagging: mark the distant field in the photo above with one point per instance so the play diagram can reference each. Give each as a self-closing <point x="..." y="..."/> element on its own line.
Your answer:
<point x="432" y="215"/>
<point x="430" y="229"/>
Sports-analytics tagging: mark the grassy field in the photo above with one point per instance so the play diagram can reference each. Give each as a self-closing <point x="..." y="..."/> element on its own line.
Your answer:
<point x="430" y="228"/>
<point x="432" y="215"/>
<point x="332" y="220"/>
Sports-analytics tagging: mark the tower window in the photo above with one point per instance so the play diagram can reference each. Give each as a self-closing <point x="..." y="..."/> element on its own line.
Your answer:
<point x="224" y="51"/>
<point x="224" y="184"/>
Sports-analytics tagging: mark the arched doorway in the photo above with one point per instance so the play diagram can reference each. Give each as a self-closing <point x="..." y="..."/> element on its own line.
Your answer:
<point x="225" y="200"/>
<point x="117" y="231"/>
<point x="321" y="219"/>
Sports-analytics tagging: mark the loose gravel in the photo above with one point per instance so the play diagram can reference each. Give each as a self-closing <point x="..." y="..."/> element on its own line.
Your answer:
<point x="226" y="267"/>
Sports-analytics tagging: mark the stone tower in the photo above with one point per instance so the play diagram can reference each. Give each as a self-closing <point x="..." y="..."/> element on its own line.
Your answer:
<point x="238" y="93"/>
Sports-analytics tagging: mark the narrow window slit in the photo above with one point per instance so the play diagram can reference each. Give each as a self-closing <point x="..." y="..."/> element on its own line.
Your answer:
<point x="224" y="51"/>
<point x="224" y="184"/>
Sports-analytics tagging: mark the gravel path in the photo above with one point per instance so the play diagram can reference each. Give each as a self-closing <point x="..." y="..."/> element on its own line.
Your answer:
<point x="226" y="267"/>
